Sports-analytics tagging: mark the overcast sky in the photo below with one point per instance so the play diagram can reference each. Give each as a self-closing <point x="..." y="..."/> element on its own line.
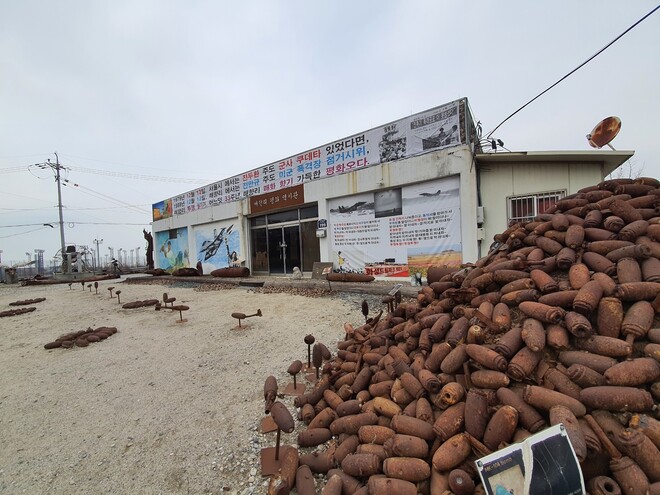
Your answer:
<point x="203" y="90"/>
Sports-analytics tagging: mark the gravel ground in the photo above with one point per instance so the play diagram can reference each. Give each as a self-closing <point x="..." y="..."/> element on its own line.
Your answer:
<point x="161" y="407"/>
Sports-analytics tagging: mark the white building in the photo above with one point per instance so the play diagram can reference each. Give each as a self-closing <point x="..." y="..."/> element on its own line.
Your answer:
<point x="410" y="194"/>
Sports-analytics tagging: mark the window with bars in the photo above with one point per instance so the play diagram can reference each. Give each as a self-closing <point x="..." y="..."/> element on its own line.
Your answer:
<point x="524" y="208"/>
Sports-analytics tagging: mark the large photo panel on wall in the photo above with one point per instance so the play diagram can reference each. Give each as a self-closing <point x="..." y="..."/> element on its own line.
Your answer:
<point x="172" y="249"/>
<point x="217" y="245"/>
<point x="397" y="232"/>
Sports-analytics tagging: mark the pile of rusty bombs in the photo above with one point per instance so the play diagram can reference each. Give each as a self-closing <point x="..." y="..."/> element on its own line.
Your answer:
<point x="557" y="324"/>
<point x="16" y="312"/>
<point x="82" y="338"/>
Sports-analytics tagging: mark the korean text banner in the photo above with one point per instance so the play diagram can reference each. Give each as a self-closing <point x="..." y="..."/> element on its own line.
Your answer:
<point x="397" y="231"/>
<point x="424" y="132"/>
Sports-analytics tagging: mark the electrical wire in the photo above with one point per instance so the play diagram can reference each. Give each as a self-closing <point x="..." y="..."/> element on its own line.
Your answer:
<point x="98" y="195"/>
<point x="576" y="69"/>
<point x="151" y="178"/>
<point x="21" y="233"/>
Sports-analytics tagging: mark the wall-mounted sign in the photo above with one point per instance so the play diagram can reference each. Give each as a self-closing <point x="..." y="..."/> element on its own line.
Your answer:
<point x="276" y="200"/>
<point x="322" y="223"/>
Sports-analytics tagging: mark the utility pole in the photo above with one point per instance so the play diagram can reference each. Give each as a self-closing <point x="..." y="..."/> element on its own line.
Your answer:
<point x="98" y="241"/>
<point x="56" y="167"/>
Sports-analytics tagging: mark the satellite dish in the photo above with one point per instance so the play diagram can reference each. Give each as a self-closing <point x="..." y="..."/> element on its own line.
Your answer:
<point x="604" y="132"/>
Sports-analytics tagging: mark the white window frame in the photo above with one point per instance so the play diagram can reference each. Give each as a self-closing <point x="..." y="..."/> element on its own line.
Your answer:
<point x="535" y="199"/>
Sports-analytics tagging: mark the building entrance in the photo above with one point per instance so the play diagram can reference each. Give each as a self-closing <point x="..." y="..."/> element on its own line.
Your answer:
<point x="284" y="249"/>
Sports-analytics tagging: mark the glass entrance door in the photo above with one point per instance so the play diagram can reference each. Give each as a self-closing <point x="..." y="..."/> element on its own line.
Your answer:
<point x="283" y="249"/>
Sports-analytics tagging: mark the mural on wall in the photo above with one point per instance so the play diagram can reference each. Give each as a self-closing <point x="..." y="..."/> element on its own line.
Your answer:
<point x="398" y="232"/>
<point x="172" y="249"/>
<point x="217" y="245"/>
<point x="162" y="209"/>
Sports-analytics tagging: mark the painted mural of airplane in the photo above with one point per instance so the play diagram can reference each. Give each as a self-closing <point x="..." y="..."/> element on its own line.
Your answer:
<point x="437" y="193"/>
<point x="210" y="248"/>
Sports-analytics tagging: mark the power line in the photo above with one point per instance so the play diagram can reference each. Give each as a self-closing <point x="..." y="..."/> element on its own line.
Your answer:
<point x="576" y="69"/>
<point x="150" y="178"/>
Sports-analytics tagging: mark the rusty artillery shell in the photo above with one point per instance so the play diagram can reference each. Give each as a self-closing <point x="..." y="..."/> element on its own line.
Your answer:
<point x="647" y="425"/>
<point x="452" y="453"/>
<point x="548" y="245"/>
<point x="372" y="448"/>
<point x="543" y="281"/>
<point x="454" y="360"/>
<point x="605" y="247"/>
<point x="578" y="275"/>
<point x="332" y="398"/>
<point x="504" y="277"/>
<point x="305" y="481"/>
<point x="314" y="396"/>
<point x="348" y="446"/>
<point x="643" y="451"/>
<point x="528" y="416"/>
<point x="429" y="381"/>
<point x="605" y="346"/>
<point x="362" y="380"/>
<point x="625" y="211"/>
<point x="520" y="284"/>
<point x="510" y="342"/>
<point x="633" y="373"/>
<point x="486" y="357"/>
<point x="638" y="319"/>
<point x="458" y="331"/>
<point x="564" y="259"/>
<point x="282" y="417"/>
<point x="636" y="251"/>
<point x="533" y="334"/>
<point x="652" y="351"/>
<point x="557" y="337"/>
<point x="501" y="427"/>
<point x="407" y="468"/>
<point x="361" y="465"/>
<point x="460" y="482"/>
<point x="628" y="270"/>
<point x="270" y="392"/>
<point x="314" y="437"/>
<point x="578" y="324"/>
<point x="584" y="376"/>
<point x="351" y="424"/>
<point x="440" y="328"/>
<point x="284" y="480"/>
<point x="450" y="422"/>
<point x="399" y="394"/>
<point x="350" y="485"/>
<point x="374" y="434"/>
<point x="516" y="297"/>
<point x="424" y="410"/>
<point x="574" y="236"/>
<point x="501" y="317"/>
<point x="629" y="476"/>
<point x="307" y="413"/>
<point x="606" y="281"/>
<point x="563" y="299"/>
<point x="450" y="394"/>
<point x="406" y="425"/>
<point x="617" y="399"/>
<point x="489" y="379"/>
<point x="613" y="223"/>
<point x="587" y="299"/>
<point x="412" y="385"/>
<point x="598" y="263"/>
<point x="603" y="485"/>
<point x="594" y="361"/>
<point x="542" y="312"/>
<point x="638" y="291"/>
<point x="319" y="462"/>
<point x="561" y="382"/>
<point x="381" y="389"/>
<point x="349" y="407"/>
<point x="323" y="419"/>
<point x="399" y="354"/>
<point x="609" y="317"/>
<point x="406" y="446"/>
<point x="598" y="235"/>
<point x="391" y="486"/>
<point x="523" y="363"/>
<point x="650" y="269"/>
<point x="477" y="419"/>
<point x="544" y="399"/>
<point x="317" y="355"/>
<point x="562" y="414"/>
<point x="633" y="230"/>
<point x="386" y="407"/>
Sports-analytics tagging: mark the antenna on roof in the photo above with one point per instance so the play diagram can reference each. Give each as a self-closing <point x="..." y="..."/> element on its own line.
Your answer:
<point x="604" y="132"/>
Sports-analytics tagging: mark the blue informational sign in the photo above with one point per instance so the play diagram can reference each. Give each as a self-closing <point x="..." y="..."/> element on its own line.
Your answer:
<point x="322" y="223"/>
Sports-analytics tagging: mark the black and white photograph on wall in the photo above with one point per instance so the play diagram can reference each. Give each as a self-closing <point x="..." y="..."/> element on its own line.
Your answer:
<point x="392" y="145"/>
<point x="388" y="203"/>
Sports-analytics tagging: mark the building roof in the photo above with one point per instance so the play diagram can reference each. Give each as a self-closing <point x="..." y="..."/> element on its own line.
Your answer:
<point x="610" y="160"/>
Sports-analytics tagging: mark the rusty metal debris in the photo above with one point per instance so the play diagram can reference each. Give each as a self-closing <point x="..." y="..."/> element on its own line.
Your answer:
<point x="553" y="326"/>
<point x="27" y="302"/>
<point x="242" y="316"/>
<point x="16" y="312"/>
<point x="81" y="338"/>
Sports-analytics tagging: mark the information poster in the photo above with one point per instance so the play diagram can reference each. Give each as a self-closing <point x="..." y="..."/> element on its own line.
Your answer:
<point x="423" y="132"/>
<point x="543" y="464"/>
<point x="397" y="232"/>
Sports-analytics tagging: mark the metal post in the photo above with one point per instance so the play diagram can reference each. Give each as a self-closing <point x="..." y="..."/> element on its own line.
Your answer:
<point x="98" y="241"/>
<point x="59" y="207"/>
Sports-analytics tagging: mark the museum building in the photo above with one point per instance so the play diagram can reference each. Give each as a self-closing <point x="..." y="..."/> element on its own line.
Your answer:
<point x="387" y="202"/>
